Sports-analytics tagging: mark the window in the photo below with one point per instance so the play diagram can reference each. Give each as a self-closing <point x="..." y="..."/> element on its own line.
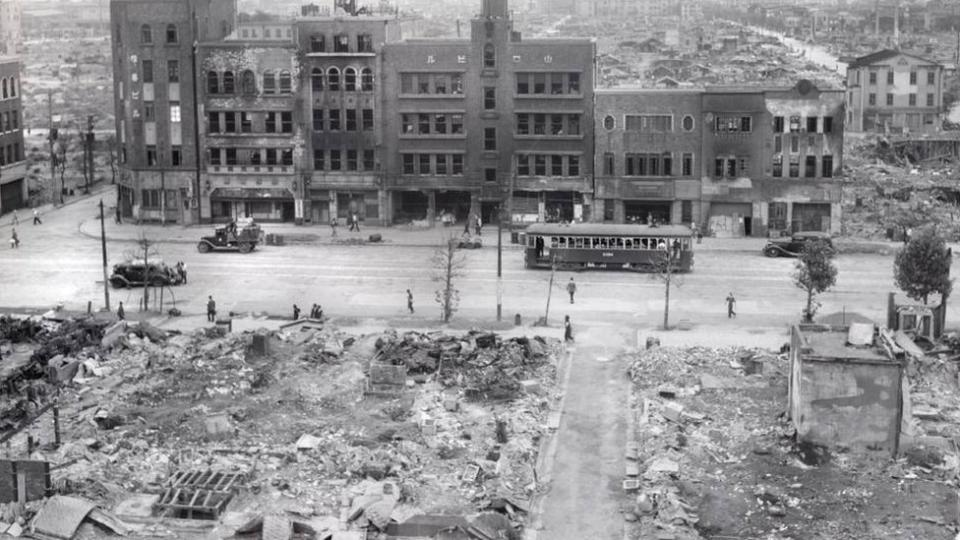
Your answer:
<point x="794" y="144"/>
<point x="556" y="165"/>
<point x="248" y="83"/>
<point x="334" y="120"/>
<point x="364" y="43"/>
<point x="931" y="77"/>
<point x="172" y="36"/>
<point x="341" y="43"/>
<point x="489" y="98"/>
<point x="318" y="119"/>
<point x="335" y="160"/>
<point x="523" y="124"/>
<point x="490" y="175"/>
<point x="149" y="112"/>
<point x="231" y="156"/>
<point x="286" y="122"/>
<point x="440" y="124"/>
<point x="423" y="164"/>
<point x="573" y="83"/>
<point x="523" y="83"/>
<point x="255" y="157"/>
<point x="146" y="35"/>
<point x="826" y="167"/>
<point x="174" y="111"/>
<point x="366" y="80"/>
<point x="173" y="71"/>
<point x="573" y="166"/>
<point x="270" y="124"/>
<point x="13" y="87"/>
<point x="489" y="56"/>
<point x="657" y="123"/>
<point x="147" y="66"/>
<point x="230" y="122"/>
<point x="246" y="126"/>
<point x="828" y="124"/>
<point x="456" y="124"/>
<point x="913" y="78"/>
<point x="316" y="79"/>
<point x="423" y="124"/>
<point x="811" y="124"/>
<point x="777" y="144"/>
<point x="778" y="124"/>
<point x="407" y="83"/>
<point x="269" y="82"/>
<point x="688" y="123"/>
<point x="777" y="166"/>
<point x="912" y="99"/>
<point x="15" y="119"/>
<point x="889" y="100"/>
<point x="408" y="164"/>
<point x="318" y="43"/>
<point x="609" y="122"/>
<point x="810" y="166"/>
<point x="150" y="198"/>
<point x="873" y="78"/>
<point x="608" y="163"/>
<point x="213" y="122"/>
<point x="890" y="77"/>
<point x="687" y="165"/>
<point x="871" y="99"/>
<point x="352" y="160"/>
<point x="350" y="79"/>
<point x="667" y="162"/>
<point x="539" y="83"/>
<point x="368" y="162"/>
<point x="929" y="100"/>
<point x="271" y="158"/>
<point x="286" y="84"/>
<point x="556" y="124"/>
<point x="523" y="165"/>
<point x="366" y="119"/>
<point x="351" y="120"/>
<point x="539" y="164"/>
<point x="456" y="84"/>
<point x="333" y="79"/>
<point x="213" y="82"/>
<point x="151" y="155"/>
<point x="794" y="167"/>
<point x="319" y="161"/>
<point x="735" y="124"/>
<point x="457" y="165"/>
<point x="489" y="138"/>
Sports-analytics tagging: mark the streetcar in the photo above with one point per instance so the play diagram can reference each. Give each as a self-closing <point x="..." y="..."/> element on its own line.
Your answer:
<point x="579" y="246"/>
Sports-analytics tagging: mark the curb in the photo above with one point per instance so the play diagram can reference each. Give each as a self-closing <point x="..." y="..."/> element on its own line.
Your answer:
<point x="94" y="191"/>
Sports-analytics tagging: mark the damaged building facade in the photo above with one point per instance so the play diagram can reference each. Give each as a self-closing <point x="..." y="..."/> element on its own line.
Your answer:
<point x="13" y="165"/>
<point x="736" y="161"/>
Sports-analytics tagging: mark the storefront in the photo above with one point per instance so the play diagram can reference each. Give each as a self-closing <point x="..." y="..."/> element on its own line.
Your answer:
<point x="12" y="195"/>
<point x="261" y="204"/>
<point x="730" y="219"/>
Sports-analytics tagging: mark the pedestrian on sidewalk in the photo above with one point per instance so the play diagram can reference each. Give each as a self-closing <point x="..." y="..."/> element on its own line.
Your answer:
<point x="354" y="222"/>
<point x="731" y="302"/>
<point x="14" y="240"/>
<point x="211" y="309"/>
<point x="466" y="225"/>
<point x="567" y="330"/>
<point x="333" y="227"/>
<point x="36" y="217"/>
<point x="478" y="225"/>
<point x="117" y="218"/>
<point x="16" y="218"/>
<point x="182" y="268"/>
<point x="572" y="289"/>
<point x="296" y="312"/>
<point x="410" y="300"/>
<point x="121" y="315"/>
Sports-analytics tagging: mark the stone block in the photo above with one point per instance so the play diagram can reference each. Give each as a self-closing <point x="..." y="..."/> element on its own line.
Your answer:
<point x="388" y="374"/>
<point x="672" y="412"/>
<point x="530" y="386"/>
<point x="631" y="484"/>
<point x="218" y="426"/>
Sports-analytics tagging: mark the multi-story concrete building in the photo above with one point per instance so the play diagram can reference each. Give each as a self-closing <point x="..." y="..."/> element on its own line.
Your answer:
<point x="156" y="88"/>
<point x="736" y="161"/>
<point x="11" y="33"/>
<point x="13" y="186"/>
<point x="468" y="119"/>
<point x="893" y="91"/>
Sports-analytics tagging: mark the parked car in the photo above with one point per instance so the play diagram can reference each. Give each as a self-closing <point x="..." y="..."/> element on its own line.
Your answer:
<point x="134" y="273"/>
<point x="792" y="246"/>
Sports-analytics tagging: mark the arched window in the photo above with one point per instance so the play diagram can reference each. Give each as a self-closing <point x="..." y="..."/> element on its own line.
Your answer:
<point x="366" y="80"/>
<point x="489" y="56"/>
<point x="229" y="84"/>
<point x="248" y="83"/>
<point x="316" y="80"/>
<point x="333" y="79"/>
<point x="350" y="79"/>
<point x="13" y="87"/>
<point x="4" y="92"/>
<point x="213" y="82"/>
<point x="146" y="35"/>
<point x="172" y="36"/>
<point x="269" y="82"/>
<point x="286" y="85"/>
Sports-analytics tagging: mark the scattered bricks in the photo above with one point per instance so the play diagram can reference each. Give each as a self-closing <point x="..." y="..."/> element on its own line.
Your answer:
<point x="664" y="465"/>
<point x="531" y="386"/>
<point x="672" y="412"/>
<point x="631" y="484"/>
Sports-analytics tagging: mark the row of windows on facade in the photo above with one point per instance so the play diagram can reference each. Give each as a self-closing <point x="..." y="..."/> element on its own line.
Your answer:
<point x="341" y="43"/>
<point x="172" y="35"/>
<point x="663" y="123"/>
<point x="9" y="121"/>
<point x="153" y="158"/>
<point x="432" y="164"/>
<point x="809" y="167"/>
<point x="793" y="143"/>
<point x="11" y="153"/>
<point x="343" y="160"/>
<point x="8" y="87"/>
<point x="150" y="112"/>
<point x="342" y="120"/>
<point x="330" y="79"/>
<point x="548" y="164"/>
<point x="911" y="99"/>
<point x="872" y="77"/>
<point x="250" y="156"/>
<point x="249" y="122"/>
<point x="558" y="83"/>
<point x="526" y="124"/>
<point x="272" y="82"/>
<point x="173" y="71"/>
<point x="648" y="164"/>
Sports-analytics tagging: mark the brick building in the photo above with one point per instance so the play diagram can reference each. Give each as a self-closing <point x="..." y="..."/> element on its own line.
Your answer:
<point x="155" y="88"/>
<point x="13" y="171"/>
<point x="893" y="91"/>
<point x="736" y="161"/>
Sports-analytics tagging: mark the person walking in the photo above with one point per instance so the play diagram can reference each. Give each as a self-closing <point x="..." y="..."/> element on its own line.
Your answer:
<point x="567" y="330"/>
<point x="333" y="227"/>
<point x="117" y="218"/>
<point x="354" y="222"/>
<point x="296" y="312"/>
<point x="36" y="217"/>
<point x="572" y="289"/>
<point x="731" y="302"/>
<point x="121" y="315"/>
<point x="410" y="300"/>
<point x="478" y="225"/>
<point x="211" y="309"/>
<point x="16" y="218"/>
<point x="466" y="225"/>
<point x="14" y="240"/>
<point x="183" y="272"/>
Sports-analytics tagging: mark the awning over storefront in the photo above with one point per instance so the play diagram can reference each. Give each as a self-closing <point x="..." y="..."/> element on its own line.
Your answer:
<point x="251" y="193"/>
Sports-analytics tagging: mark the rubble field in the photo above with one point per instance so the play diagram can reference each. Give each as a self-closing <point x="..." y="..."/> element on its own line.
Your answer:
<point x="715" y="457"/>
<point x="331" y="431"/>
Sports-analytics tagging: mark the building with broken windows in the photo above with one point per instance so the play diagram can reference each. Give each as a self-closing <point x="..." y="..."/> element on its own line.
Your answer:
<point x="13" y="168"/>
<point x="891" y="91"/>
<point x="739" y="161"/>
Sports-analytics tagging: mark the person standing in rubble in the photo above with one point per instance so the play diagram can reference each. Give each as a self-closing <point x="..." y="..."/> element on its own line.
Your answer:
<point x="410" y="300"/>
<point x="211" y="309"/>
<point x="296" y="312"/>
<point x="572" y="289"/>
<point x="121" y="315"/>
<point x="731" y="303"/>
<point x="567" y="330"/>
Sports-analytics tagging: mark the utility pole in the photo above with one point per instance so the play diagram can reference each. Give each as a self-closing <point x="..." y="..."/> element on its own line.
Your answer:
<point x="51" y="138"/>
<point x="146" y="274"/>
<point x="499" y="252"/>
<point x="88" y="154"/>
<point x="553" y="271"/>
<point x="103" y="246"/>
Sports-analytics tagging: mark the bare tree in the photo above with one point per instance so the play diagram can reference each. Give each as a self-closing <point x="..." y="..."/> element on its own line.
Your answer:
<point x="146" y="250"/>
<point x="666" y="266"/>
<point x="447" y="265"/>
<point x="60" y="152"/>
<point x="113" y="158"/>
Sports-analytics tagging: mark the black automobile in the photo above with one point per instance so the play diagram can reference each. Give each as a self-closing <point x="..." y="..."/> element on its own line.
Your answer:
<point x="794" y="245"/>
<point x="134" y="274"/>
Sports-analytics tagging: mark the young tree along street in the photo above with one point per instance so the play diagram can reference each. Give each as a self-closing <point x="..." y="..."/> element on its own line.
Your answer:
<point x="814" y="274"/>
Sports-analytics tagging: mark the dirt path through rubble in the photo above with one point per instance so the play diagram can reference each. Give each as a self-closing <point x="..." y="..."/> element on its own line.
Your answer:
<point x="583" y="498"/>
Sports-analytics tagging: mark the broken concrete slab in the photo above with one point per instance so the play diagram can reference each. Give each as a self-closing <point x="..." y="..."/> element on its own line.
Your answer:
<point x="60" y="516"/>
<point x="218" y="426"/>
<point x="664" y="465"/>
<point x="308" y="442"/>
<point x="672" y="412"/>
<point x="530" y="386"/>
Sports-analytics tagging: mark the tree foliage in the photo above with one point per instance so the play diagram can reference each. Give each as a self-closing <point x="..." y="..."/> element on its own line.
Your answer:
<point x="448" y="265"/>
<point x="815" y="273"/>
<point x="666" y="264"/>
<point x="922" y="267"/>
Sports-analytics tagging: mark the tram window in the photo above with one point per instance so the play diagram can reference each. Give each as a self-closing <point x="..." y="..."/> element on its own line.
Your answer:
<point x="620" y="243"/>
<point x="553" y="241"/>
<point x="579" y="242"/>
<point x="562" y="241"/>
<point x="643" y="243"/>
<point x="636" y="243"/>
<point x="595" y="242"/>
<point x="603" y="243"/>
<point x="628" y="243"/>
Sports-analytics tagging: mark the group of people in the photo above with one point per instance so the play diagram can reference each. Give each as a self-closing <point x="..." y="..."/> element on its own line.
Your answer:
<point x="14" y="237"/>
<point x="316" y="312"/>
<point x="181" y="269"/>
